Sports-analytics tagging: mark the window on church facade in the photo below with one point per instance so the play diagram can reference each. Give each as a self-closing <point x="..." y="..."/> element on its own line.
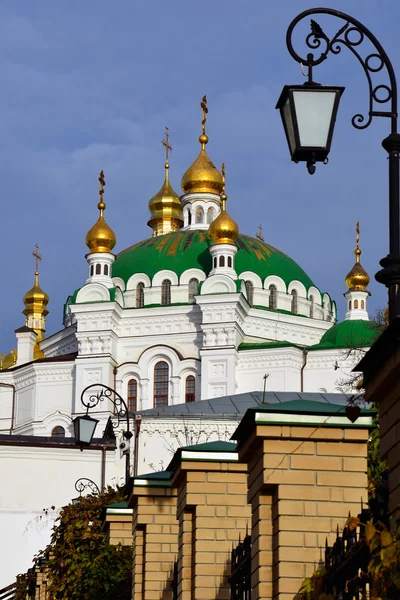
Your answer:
<point x="161" y="384"/>
<point x="222" y="261"/>
<point x="58" y="431"/>
<point x="91" y="270"/>
<point x="199" y="215"/>
<point x="294" y="307"/>
<point x="105" y="269"/>
<point x="362" y="304"/>
<point x="349" y="304"/>
<point x="210" y="215"/>
<point x="355" y="303"/>
<point x="189" y="217"/>
<point x="250" y="292"/>
<point x="190" y="391"/>
<point x="98" y="269"/>
<point x="166" y="292"/>
<point x="230" y="261"/>
<point x="311" y="307"/>
<point x="140" y="295"/>
<point x="272" y="303"/>
<point x="193" y="289"/>
<point x="215" y="262"/>
<point x="132" y="395"/>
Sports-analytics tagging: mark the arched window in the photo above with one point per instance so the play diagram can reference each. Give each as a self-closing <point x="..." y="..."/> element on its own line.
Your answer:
<point x="105" y="269"/>
<point x="250" y="292"/>
<point x="199" y="215"/>
<point x="294" y="306"/>
<point x="91" y="270"/>
<point x="140" y="295"/>
<point x="355" y="303"/>
<point x="215" y="262"/>
<point x="210" y="215"/>
<point x="362" y="304"/>
<point x="272" y="297"/>
<point x="311" y="307"/>
<point x="166" y="292"/>
<point x="349" y="304"/>
<point x="222" y="261"/>
<point x="193" y="289"/>
<point x="161" y="384"/>
<point x="58" y="431"/>
<point x="98" y="269"/>
<point x="189" y="217"/>
<point x="132" y="395"/>
<point x="190" y="389"/>
<point x="230" y="261"/>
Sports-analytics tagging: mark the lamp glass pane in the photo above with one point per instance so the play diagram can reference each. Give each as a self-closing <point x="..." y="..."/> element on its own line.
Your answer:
<point x="87" y="427"/>
<point x="288" y="120"/>
<point x="314" y="113"/>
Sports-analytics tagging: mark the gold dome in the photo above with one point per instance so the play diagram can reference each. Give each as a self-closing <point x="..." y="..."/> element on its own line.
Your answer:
<point x="165" y="207"/>
<point x="36" y="301"/>
<point x="202" y="175"/>
<point x="357" y="279"/>
<point x="101" y="238"/>
<point x="224" y="229"/>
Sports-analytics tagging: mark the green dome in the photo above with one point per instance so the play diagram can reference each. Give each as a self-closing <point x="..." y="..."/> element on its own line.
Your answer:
<point x="350" y="334"/>
<point x="184" y="250"/>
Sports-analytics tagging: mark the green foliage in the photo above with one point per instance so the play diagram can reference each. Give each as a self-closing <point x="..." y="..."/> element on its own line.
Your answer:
<point x="376" y="465"/>
<point x="83" y="565"/>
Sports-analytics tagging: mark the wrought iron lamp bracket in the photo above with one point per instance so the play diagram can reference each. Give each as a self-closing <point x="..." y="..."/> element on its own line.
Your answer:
<point x="100" y="393"/>
<point x="84" y="483"/>
<point x="351" y="35"/>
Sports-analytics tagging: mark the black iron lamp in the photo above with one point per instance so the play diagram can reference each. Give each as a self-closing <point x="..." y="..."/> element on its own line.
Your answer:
<point x="308" y="115"/>
<point x="84" y="428"/>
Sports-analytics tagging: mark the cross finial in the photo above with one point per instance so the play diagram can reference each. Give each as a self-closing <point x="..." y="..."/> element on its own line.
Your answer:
<point x="223" y="174"/>
<point x="357" y="234"/>
<point x="166" y="144"/>
<point x="101" y="206"/>
<point x="37" y="256"/>
<point x="203" y="106"/>
<point x="259" y="233"/>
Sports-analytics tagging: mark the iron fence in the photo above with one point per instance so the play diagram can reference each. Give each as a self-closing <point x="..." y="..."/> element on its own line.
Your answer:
<point x="240" y="578"/>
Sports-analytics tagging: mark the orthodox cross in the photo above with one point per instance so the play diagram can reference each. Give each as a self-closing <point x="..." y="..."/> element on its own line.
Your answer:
<point x="259" y="233"/>
<point x="37" y="256"/>
<point x="357" y="234"/>
<point x="166" y="144"/>
<point x="101" y="206"/>
<point x="223" y="173"/>
<point x="203" y="106"/>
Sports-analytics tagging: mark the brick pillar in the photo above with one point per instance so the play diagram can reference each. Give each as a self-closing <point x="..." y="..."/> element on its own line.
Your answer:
<point x="213" y="514"/>
<point x="303" y="481"/>
<point x="155" y="538"/>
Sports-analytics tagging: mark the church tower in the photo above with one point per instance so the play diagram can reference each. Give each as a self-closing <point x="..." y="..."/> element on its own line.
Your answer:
<point x="165" y="207"/>
<point x="202" y="185"/>
<point x="357" y="280"/>
<point x="100" y="240"/>
<point x="35" y="310"/>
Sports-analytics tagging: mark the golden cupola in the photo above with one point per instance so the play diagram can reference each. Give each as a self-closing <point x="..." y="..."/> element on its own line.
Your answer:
<point x="165" y="207"/>
<point x="357" y="279"/>
<point x="36" y="301"/>
<point x="101" y="238"/>
<point x="202" y="176"/>
<point x="224" y="229"/>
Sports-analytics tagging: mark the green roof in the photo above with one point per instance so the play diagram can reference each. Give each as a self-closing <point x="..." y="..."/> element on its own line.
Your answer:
<point x="217" y="446"/>
<point x="155" y="475"/>
<point x="349" y="334"/>
<point x="122" y="504"/>
<point x="184" y="250"/>
<point x="263" y="345"/>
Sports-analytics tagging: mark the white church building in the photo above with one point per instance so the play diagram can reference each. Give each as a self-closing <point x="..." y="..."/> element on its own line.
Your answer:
<point x="195" y="312"/>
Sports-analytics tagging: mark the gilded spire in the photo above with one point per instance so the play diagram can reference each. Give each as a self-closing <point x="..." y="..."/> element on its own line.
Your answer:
<point x="35" y="310"/>
<point x="357" y="279"/>
<point x="101" y="238"/>
<point x="223" y="230"/>
<point x="202" y="176"/>
<point x="165" y="207"/>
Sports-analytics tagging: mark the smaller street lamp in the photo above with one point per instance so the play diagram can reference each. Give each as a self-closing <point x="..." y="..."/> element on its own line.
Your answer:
<point x="84" y="428"/>
<point x="308" y="114"/>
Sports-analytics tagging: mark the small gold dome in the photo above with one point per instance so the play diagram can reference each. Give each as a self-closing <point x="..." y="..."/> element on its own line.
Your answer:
<point x="36" y="299"/>
<point x="101" y="238"/>
<point x="357" y="279"/>
<point x="165" y="208"/>
<point x="224" y="229"/>
<point x="202" y="176"/>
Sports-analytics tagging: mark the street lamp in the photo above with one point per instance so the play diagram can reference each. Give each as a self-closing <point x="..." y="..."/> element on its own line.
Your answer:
<point x="84" y="426"/>
<point x="308" y="113"/>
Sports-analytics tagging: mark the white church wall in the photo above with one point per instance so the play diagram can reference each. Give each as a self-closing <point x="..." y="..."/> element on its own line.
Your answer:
<point x="6" y="402"/>
<point x="37" y="478"/>
<point x="281" y="365"/>
<point x="331" y="370"/>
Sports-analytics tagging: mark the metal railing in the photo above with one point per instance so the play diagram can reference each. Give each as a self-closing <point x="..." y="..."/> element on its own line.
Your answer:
<point x="240" y="578"/>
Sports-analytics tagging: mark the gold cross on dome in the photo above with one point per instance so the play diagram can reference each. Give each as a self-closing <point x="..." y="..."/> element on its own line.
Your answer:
<point x="357" y="234"/>
<point x="37" y="256"/>
<point x="166" y="144"/>
<point x="203" y="106"/>
<point x="102" y="182"/>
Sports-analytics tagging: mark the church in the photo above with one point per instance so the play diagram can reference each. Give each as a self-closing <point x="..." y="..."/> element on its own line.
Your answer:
<point x="198" y="310"/>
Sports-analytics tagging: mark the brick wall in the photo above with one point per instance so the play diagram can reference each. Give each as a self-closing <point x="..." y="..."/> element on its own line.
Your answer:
<point x="155" y="539"/>
<point x="213" y="514"/>
<point x="118" y="529"/>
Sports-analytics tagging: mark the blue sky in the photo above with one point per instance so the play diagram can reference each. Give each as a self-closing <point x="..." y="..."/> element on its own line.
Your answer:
<point x="91" y="85"/>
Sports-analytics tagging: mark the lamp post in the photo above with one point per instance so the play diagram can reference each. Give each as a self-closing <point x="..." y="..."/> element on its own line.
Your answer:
<point x="309" y="112"/>
<point x="84" y="426"/>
